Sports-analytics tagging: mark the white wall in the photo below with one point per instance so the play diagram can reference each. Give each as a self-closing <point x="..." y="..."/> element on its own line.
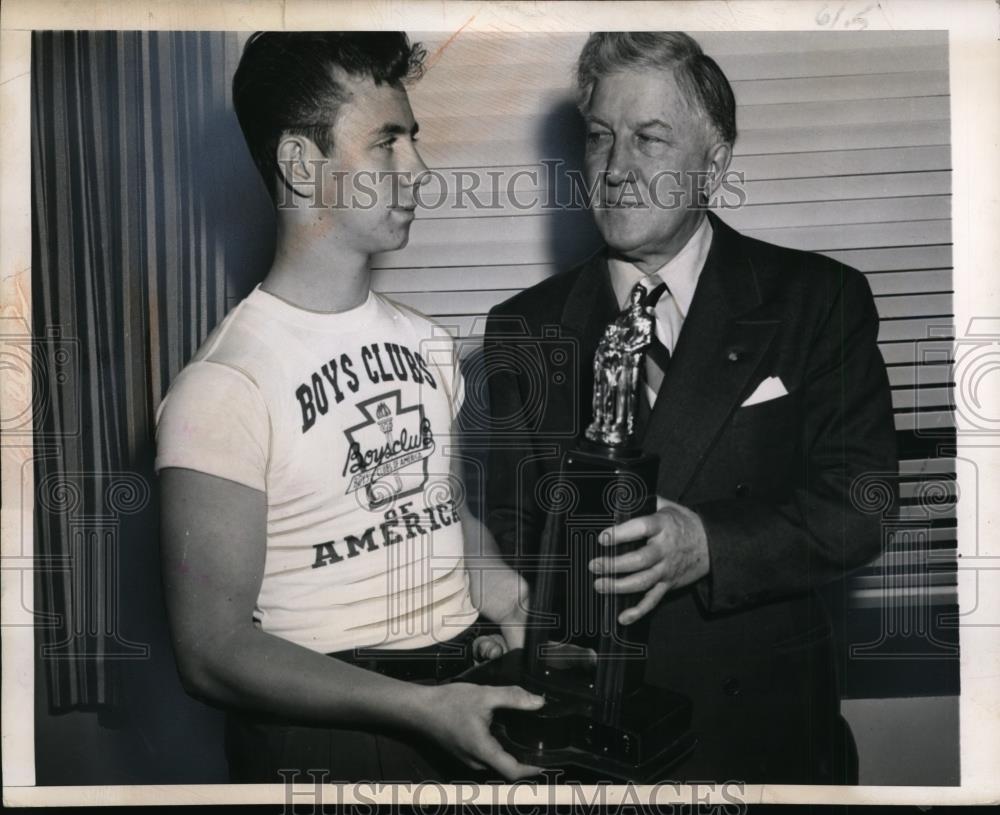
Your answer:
<point x="906" y="741"/>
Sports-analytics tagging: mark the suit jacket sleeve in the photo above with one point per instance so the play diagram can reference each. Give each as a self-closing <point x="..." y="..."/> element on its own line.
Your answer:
<point x="513" y="515"/>
<point x="762" y="550"/>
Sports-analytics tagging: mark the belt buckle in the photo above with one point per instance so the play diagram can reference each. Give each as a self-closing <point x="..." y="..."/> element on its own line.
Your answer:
<point x="449" y="663"/>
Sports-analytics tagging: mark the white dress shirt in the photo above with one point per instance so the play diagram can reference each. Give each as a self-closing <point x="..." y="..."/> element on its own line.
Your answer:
<point x="680" y="273"/>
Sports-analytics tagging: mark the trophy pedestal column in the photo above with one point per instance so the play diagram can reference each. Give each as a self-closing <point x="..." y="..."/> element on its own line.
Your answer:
<point x="601" y="720"/>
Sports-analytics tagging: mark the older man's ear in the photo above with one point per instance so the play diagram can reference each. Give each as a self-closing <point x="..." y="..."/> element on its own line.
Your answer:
<point x="720" y="155"/>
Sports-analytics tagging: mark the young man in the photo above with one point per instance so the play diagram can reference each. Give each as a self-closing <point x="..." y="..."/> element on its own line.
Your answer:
<point x="310" y="506"/>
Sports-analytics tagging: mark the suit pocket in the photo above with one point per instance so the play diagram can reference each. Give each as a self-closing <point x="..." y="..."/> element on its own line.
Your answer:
<point x="771" y="410"/>
<point x="765" y="441"/>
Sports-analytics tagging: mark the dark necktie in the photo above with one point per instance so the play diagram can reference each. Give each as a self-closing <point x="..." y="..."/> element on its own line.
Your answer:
<point x="657" y="355"/>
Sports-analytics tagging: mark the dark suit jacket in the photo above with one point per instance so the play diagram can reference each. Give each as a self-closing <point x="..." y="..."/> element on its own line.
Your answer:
<point x="771" y="482"/>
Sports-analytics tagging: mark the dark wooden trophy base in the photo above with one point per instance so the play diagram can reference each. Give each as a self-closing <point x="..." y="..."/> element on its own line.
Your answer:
<point x="601" y="720"/>
<point x="650" y="734"/>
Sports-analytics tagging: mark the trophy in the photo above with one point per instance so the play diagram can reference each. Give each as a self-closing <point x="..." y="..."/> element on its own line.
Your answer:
<point x="600" y="720"/>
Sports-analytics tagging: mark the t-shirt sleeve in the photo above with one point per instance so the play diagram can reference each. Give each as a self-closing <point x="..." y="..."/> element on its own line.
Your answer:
<point x="214" y="420"/>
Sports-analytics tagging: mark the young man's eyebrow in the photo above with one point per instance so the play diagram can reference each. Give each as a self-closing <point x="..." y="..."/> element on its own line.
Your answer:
<point x="393" y="129"/>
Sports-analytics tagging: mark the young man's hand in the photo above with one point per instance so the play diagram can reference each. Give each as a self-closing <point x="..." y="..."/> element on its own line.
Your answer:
<point x="501" y="595"/>
<point x="458" y="717"/>
<point x="488" y="647"/>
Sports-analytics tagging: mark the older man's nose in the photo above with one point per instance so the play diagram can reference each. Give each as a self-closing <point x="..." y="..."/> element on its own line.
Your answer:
<point x="616" y="168"/>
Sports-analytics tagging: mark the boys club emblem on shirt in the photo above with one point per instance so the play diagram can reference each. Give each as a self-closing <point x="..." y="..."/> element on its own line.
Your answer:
<point x="388" y="451"/>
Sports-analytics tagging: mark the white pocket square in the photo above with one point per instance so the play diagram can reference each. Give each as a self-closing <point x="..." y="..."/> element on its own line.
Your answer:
<point x="770" y="388"/>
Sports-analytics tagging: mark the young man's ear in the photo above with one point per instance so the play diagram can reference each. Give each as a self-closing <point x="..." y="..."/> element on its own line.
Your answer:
<point x="294" y="168"/>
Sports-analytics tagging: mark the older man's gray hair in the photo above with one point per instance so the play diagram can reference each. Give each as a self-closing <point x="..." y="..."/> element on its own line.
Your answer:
<point x="699" y="77"/>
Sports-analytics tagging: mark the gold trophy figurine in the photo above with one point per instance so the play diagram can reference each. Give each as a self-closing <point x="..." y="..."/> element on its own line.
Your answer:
<point x="616" y="372"/>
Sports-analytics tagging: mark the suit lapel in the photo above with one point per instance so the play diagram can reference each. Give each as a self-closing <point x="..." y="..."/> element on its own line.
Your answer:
<point x="725" y="336"/>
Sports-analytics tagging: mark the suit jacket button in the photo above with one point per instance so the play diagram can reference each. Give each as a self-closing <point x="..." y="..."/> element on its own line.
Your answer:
<point x="731" y="687"/>
<point x="742" y="490"/>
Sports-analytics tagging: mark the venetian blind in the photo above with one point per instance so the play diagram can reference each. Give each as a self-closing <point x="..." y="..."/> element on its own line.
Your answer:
<point x="844" y="150"/>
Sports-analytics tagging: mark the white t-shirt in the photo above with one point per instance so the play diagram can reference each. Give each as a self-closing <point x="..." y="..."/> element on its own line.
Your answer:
<point x="343" y="421"/>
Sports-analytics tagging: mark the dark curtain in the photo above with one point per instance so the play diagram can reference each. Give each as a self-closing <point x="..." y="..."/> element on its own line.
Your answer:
<point x="137" y="162"/>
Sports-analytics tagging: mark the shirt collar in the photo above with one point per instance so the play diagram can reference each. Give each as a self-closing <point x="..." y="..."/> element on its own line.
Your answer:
<point x="680" y="273"/>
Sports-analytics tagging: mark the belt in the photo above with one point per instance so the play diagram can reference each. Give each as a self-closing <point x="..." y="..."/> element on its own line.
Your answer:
<point x="434" y="663"/>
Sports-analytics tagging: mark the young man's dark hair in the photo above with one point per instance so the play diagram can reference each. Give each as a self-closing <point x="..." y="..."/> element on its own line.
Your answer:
<point x="290" y="82"/>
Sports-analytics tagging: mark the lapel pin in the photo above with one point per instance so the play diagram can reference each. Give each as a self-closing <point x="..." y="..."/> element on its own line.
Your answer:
<point x="733" y="356"/>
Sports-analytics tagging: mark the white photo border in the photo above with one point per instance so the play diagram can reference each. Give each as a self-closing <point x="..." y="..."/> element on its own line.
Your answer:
<point x="974" y="63"/>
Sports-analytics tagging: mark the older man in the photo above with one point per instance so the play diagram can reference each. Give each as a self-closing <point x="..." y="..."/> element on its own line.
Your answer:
<point x="767" y="398"/>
